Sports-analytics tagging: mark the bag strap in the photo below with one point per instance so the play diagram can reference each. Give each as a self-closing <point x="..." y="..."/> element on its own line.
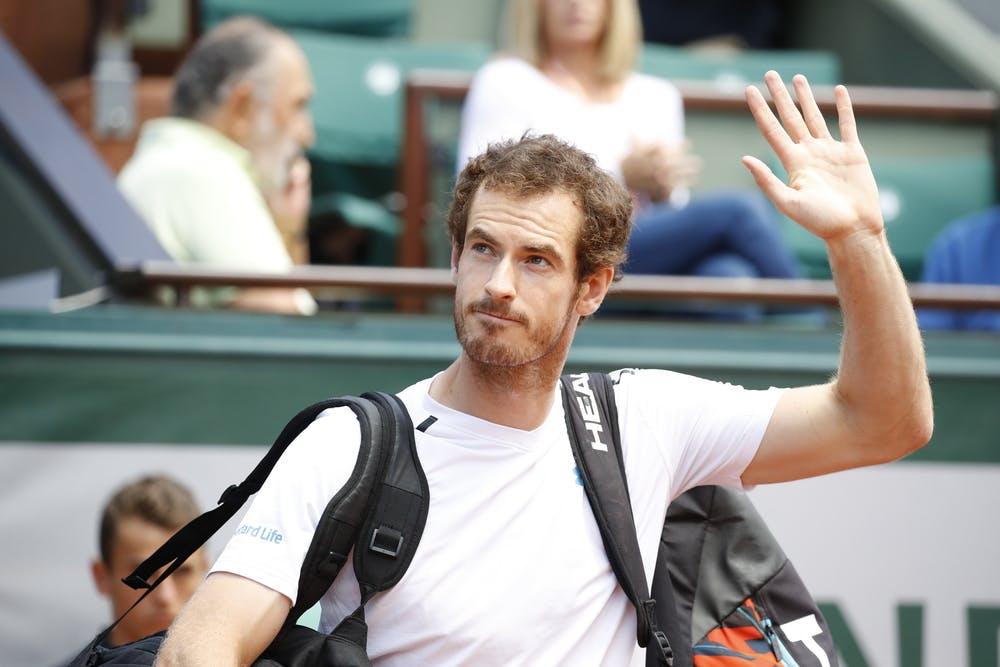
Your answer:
<point x="592" y="422"/>
<point x="339" y="525"/>
<point x="193" y="535"/>
<point x="395" y="520"/>
<point x="382" y="521"/>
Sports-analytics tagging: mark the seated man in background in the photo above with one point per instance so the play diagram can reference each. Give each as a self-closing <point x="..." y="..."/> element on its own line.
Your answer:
<point x="223" y="179"/>
<point x="966" y="252"/>
<point x="136" y="520"/>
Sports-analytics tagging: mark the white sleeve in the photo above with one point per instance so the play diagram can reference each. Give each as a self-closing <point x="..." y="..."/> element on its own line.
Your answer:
<point x="271" y="542"/>
<point x="704" y="432"/>
<point x="496" y="107"/>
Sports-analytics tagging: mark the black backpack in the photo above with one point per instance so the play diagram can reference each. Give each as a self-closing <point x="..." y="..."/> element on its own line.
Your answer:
<point x="383" y="505"/>
<point x="725" y="590"/>
<point x="704" y="609"/>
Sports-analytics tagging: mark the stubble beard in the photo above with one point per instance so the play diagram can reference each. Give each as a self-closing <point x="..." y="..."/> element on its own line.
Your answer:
<point x="536" y="361"/>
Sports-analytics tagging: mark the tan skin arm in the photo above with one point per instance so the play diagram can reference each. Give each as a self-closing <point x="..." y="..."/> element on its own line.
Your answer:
<point x="878" y="407"/>
<point x="266" y="299"/>
<point x="228" y="622"/>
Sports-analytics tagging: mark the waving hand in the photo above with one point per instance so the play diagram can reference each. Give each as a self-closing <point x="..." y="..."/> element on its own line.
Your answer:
<point x="831" y="190"/>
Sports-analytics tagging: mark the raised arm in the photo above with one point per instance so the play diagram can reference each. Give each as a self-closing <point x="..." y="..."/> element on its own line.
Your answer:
<point x="229" y="621"/>
<point x="878" y="406"/>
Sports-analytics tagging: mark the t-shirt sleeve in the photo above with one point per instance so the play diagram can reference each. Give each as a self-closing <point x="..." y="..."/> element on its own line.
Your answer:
<point x="273" y="537"/>
<point x="701" y="431"/>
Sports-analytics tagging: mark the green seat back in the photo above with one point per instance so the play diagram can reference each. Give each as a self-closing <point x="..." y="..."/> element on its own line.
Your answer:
<point x="360" y="86"/>
<point x="919" y="197"/>
<point x="358" y="111"/>
<point x="738" y="68"/>
<point x="359" y="17"/>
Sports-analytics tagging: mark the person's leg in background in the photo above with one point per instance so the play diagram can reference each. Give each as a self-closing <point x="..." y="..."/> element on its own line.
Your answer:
<point x="730" y="235"/>
<point x="674" y="241"/>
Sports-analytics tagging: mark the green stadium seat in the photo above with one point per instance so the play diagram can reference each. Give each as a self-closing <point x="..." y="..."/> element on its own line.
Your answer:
<point x="919" y="196"/>
<point x="383" y="18"/>
<point x="358" y="113"/>
<point x="736" y="69"/>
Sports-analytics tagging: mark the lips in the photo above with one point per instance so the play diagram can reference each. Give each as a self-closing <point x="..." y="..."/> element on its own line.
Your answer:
<point x="499" y="316"/>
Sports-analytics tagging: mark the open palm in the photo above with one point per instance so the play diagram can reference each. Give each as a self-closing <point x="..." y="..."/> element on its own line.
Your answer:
<point x="831" y="190"/>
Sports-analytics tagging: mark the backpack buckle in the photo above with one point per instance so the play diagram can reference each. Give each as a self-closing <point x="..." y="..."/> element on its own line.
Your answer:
<point x="386" y="541"/>
<point x="665" y="650"/>
<point x="135" y="582"/>
<point x="229" y="494"/>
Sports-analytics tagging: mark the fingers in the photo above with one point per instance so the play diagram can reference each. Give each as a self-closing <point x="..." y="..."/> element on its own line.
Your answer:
<point x="845" y="115"/>
<point x="787" y="111"/>
<point x="770" y="185"/>
<point x="810" y="110"/>
<point x="768" y="125"/>
<point x="795" y="123"/>
<point x="300" y="171"/>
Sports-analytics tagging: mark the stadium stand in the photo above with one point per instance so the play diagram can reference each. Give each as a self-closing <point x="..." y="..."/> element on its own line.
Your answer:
<point x="373" y="18"/>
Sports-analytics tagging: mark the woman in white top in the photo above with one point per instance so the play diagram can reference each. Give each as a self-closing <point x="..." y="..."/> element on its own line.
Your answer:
<point x="570" y="73"/>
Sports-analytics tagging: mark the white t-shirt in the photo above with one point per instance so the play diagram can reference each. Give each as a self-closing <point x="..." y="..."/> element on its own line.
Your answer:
<point x="509" y="96"/>
<point x="510" y="569"/>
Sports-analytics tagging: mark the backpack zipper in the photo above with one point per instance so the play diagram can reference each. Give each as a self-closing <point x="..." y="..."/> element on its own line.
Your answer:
<point x="766" y="630"/>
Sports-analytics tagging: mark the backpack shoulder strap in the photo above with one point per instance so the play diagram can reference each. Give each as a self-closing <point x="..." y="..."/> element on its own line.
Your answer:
<point x="380" y="512"/>
<point x="339" y="525"/>
<point x="395" y="521"/>
<point x="190" y="537"/>
<point x="592" y="422"/>
<point x="195" y="533"/>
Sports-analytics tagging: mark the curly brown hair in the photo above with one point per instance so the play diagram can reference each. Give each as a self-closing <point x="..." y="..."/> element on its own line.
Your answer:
<point x="539" y="164"/>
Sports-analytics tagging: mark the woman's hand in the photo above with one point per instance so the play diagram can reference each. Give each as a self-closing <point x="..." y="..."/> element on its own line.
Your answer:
<point x="657" y="169"/>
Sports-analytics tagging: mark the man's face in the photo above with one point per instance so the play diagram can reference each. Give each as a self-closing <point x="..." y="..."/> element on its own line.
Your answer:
<point x="135" y="541"/>
<point x="282" y="126"/>
<point x="517" y="298"/>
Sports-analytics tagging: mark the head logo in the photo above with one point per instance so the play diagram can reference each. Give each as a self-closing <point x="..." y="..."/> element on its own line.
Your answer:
<point x="588" y="410"/>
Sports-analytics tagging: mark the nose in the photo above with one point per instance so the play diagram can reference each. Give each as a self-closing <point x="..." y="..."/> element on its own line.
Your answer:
<point x="167" y="595"/>
<point x="308" y="131"/>
<point x="502" y="283"/>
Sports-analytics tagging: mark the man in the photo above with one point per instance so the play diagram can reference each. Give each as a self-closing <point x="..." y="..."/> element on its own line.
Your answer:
<point x="223" y="180"/>
<point x="511" y="568"/>
<point x="136" y="520"/>
<point x="965" y="252"/>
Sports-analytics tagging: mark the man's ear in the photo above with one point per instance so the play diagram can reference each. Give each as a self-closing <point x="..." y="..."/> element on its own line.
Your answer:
<point x="455" y="254"/>
<point x="593" y="289"/>
<point x="102" y="578"/>
<point x="241" y="108"/>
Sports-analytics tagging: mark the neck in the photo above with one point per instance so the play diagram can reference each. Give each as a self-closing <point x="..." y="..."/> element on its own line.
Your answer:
<point x="519" y="397"/>
<point x="579" y="71"/>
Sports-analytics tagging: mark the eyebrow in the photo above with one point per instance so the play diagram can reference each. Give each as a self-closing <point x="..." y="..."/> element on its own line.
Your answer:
<point x="477" y="233"/>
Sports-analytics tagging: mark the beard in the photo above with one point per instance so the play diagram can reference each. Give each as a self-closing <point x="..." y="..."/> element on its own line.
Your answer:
<point x="500" y="357"/>
<point x="272" y="153"/>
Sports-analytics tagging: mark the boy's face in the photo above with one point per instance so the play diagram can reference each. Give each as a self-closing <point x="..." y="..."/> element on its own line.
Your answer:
<point x="135" y="541"/>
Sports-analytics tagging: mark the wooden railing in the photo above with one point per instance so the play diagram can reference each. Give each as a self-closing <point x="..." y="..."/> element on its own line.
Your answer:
<point x="140" y="280"/>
